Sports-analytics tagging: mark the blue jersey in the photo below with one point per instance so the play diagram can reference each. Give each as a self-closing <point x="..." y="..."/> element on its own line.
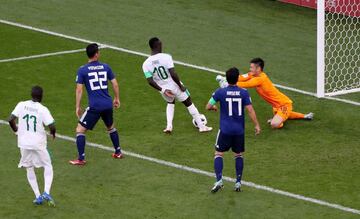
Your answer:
<point x="95" y="77"/>
<point x="232" y="103"/>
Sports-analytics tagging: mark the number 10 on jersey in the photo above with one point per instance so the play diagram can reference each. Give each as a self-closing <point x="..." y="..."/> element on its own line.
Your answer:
<point x="161" y="72"/>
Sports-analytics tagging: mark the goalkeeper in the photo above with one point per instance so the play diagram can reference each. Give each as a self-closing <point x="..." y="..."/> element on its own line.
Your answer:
<point x="281" y="104"/>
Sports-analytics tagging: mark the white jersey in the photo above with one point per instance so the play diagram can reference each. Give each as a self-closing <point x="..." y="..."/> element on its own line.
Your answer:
<point x="157" y="66"/>
<point x="32" y="116"/>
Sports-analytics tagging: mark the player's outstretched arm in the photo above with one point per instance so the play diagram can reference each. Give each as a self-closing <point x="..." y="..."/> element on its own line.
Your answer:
<point x="252" y="115"/>
<point x="245" y="77"/>
<point x="78" y="93"/>
<point x="176" y="79"/>
<point x="115" y="86"/>
<point x="52" y="130"/>
<point x="253" y="82"/>
<point x="12" y="123"/>
<point x="153" y="84"/>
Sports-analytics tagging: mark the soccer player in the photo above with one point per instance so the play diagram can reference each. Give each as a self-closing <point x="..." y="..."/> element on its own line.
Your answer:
<point x="32" y="116"/>
<point x="281" y="104"/>
<point x="95" y="75"/>
<point x="233" y="100"/>
<point x="160" y="73"/>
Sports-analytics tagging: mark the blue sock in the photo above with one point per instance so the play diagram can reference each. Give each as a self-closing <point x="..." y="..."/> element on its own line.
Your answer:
<point x="80" y="143"/>
<point x="114" y="136"/>
<point x="239" y="166"/>
<point x="218" y="167"/>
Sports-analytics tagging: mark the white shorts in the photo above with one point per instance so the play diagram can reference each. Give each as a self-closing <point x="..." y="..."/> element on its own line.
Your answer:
<point x="178" y="94"/>
<point x="34" y="158"/>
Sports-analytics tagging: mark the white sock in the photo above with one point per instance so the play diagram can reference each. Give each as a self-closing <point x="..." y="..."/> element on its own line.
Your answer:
<point x="170" y="109"/>
<point x="196" y="115"/>
<point x="48" y="178"/>
<point x="31" y="176"/>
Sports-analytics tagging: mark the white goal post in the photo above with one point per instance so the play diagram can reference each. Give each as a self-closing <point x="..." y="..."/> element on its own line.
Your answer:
<point x="338" y="47"/>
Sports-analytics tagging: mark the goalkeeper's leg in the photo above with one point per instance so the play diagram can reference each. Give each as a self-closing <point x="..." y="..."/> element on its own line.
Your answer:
<point x="281" y="114"/>
<point x="296" y="115"/>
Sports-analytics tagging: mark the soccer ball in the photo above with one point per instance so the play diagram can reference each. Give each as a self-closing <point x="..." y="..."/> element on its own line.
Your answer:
<point x="222" y="81"/>
<point x="203" y="120"/>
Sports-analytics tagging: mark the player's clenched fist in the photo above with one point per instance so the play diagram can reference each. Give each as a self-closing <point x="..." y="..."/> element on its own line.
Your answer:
<point x="116" y="103"/>
<point x="257" y="130"/>
<point x="168" y="93"/>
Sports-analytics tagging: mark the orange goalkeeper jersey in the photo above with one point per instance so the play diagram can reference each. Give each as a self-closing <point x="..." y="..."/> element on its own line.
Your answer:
<point x="265" y="88"/>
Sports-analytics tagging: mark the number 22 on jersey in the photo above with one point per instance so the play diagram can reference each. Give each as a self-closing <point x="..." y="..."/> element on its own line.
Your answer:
<point x="98" y="77"/>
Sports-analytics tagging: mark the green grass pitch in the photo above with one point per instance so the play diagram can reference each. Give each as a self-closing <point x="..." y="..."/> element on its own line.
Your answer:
<point x="317" y="159"/>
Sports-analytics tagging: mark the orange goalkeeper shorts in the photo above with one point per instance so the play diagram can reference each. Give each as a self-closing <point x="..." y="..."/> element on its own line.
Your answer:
<point x="283" y="111"/>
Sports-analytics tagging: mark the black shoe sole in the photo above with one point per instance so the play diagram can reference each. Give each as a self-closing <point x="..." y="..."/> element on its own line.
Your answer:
<point x="216" y="189"/>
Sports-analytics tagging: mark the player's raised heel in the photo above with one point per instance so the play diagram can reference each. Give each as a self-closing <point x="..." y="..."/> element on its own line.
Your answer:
<point x="237" y="187"/>
<point x="48" y="198"/>
<point x="206" y="129"/>
<point x="38" y="201"/>
<point x="217" y="186"/>
<point x="77" y="162"/>
<point x="117" y="156"/>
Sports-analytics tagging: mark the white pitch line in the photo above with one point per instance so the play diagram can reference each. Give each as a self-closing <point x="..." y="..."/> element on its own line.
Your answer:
<point x="42" y="55"/>
<point x="45" y="55"/>
<point x="176" y="62"/>
<point x="206" y="173"/>
<point x="343" y="100"/>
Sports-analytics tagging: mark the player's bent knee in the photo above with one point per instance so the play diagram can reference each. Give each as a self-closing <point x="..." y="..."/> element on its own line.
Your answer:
<point x="276" y="125"/>
<point x="110" y="128"/>
<point x="48" y="167"/>
<point x="237" y="155"/>
<point x="29" y="168"/>
<point x="218" y="154"/>
<point x="80" y="128"/>
<point x="277" y="122"/>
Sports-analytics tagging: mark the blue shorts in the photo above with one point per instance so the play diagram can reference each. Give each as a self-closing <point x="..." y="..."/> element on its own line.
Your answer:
<point x="224" y="142"/>
<point x="92" y="116"/>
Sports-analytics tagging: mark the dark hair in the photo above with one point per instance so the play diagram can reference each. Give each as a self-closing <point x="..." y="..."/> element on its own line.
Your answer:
<point x="259" y="62"/>
<point x="92" y="49"/>
<point x="37" y="93"/>
<point x="153" y="41"/>
<point x="232" y="75"/>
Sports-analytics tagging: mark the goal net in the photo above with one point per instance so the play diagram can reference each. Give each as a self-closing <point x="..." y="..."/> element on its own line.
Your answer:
<point x="338" y="41"/>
